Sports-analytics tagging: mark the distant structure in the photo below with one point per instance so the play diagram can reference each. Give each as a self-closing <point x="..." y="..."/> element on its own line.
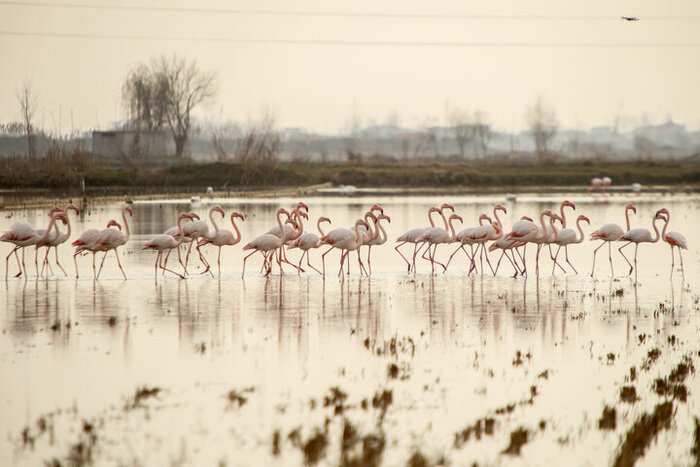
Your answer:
<point x="132" y="143"/>
<point x="630" y="18"/>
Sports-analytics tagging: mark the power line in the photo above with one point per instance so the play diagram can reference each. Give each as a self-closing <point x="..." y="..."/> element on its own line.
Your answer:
<point x="345" y="14"/>
<point x="327" y="42"/>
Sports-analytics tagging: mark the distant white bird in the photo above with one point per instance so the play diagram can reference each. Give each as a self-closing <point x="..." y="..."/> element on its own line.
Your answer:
<point x="674" y="239"/>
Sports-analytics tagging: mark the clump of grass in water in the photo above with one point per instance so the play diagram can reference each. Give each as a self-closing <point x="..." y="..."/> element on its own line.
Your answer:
<point x="608" y="421"/>
<point x="628" y="394"/>
<point x="652" y="356"/>
<point x="336" y="398"/>
<point x="518" y="438"/>
<point x="372" y="447"/>
<point x="642" y="433"/>
<point x="480" y="427"/>
<point x="142" y="393"/>
<point x="695" y="450"/>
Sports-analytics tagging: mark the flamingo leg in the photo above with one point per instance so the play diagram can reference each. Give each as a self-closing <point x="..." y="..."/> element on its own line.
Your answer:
<point x="416" y="250"/>
<point x="485" y="251"/>
<point x="408" y="263"/>
<point x="76" y="264"/>
<point x="187" y="257"/>
<point x="362" y="266"/>
<point x="94" y="270"/>
<point x="218" y="261"/>
<point x="244" y="260"/>
<point x="168" y="256"/>
<point x="636" y="271"/>
<point x="55" y="249"/>
<point x="623" y="255"/>
<point x="99" y="271"/>
<point x="18" y="263"/>
<point x="566" y="251"/>
<point x="307" y="262"/>
<point x="120" y="263"/>
<point x="554" y="258"/>
<point x="7" y="262"/>
<point x="204" y="260"/>
<point x="342" y="261"/>
<point x="303" y="253"/>
<point x="472" y="265"/>
<point x="594" y="253"/>
<point x="681" y="257"/>
<point x="156" y="265"/>
<point x="444" y="268"/>
<point x="369" y="260"/>
<point x="323" y="260"/>
<point x="452" y="255"/>
<point x="173" y="272"/>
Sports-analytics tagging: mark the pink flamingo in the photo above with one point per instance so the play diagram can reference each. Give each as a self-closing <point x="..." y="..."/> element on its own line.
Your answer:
<point x="566" y="237"/>
<point x="599" y="184"/>
<point x="87" y="241"/>
<point x="111" y="239"/>
<point x="380" y="237"/>
<point x="165" y="242"/>
<point x="268" y="243"/>
<point x="411" y="236"/>
<point x="22" y="235"/>
<point x="609" y="233"/>
<point x="308" y="241"/>
<point x="637" y="236"/>
<point x="193" y="231"/>
<point x="674" y="239"/>
<point x="293" y="228"/>
<point x="223" y="237"/>
<point x="463" y="238"/>
<point x="527" y="232"/>
<point x="436" y="236"/>
<point x="505" y="244"/>
<point x="344" y="239"/>
<point x="52" y="236"/>
<point x="58" y="239"/>
<point x="486" y="233"/>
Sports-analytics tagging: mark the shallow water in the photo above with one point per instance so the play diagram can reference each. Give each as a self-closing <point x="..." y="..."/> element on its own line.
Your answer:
<point x="545" y="354"/>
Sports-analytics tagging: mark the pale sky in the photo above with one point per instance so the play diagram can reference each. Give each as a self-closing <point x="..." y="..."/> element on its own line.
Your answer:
<point x="319" y="86"/>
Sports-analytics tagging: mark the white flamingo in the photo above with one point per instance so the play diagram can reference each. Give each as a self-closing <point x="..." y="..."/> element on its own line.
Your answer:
<point x="345" y="240"/>
<point x="308" y="241"/>
<point x="380" y="237"/>
<point x="637" y="236"/>
<point x="411" y="236"/>
<point x="268" y="243"/>
<point x="223" y="237"/>
<point x="87" y="242"/>
<point x="163" y="242"/>
<point x="58" y="239"/>
<point x="674" y="239"/>
<point x="437" y="236"/>
<point x="609" y="233"/>
<point x="566" y="237"/>
<point x="113" y="239"/>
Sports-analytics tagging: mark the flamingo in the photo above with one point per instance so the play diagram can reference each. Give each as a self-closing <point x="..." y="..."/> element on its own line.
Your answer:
<point x="22" y="235"/>
<point x="598" y="183"/>
<point x="57" y="239"/>
<point x="411" y="236"/>
<point x="464" y="239"/>
<point x="566" y="237"/>
<point x="637" y="236"/>
<point x="53" y="235"/>
<point x="505" y="244"/>
<point x="307" y="241"/>
<point x="292" y="231"/>
<point x="673" y="239"/>
<point x="380" y="237"/>
<point x="609" y="233"/>
<point x="527" y="232"/>
<point x="164" y="242"/>
<point x="195" y="230"/>
<point x="485" y="233"/>
<point x="112" y="239"/>
<point x="345" y="239"/>
<point x="366" y="235"/>
<point x="436" y="236"/>
<point x="86" y="242"/>
<point x="223" y="237"/>
<point x="268" y="242"/>
<point x="175" y="231"/>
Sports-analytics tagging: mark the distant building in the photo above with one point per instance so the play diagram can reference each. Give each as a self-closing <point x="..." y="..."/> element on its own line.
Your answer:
<point x="131" y="143"/>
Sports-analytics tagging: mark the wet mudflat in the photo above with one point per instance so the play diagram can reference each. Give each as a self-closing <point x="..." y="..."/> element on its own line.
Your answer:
<point x="394" y="369"/>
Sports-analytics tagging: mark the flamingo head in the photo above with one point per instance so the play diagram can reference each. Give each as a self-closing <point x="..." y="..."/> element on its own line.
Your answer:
<point x="362" y="222"/>
<point x="303" y="214"/>
<point x="54" y="210"/>
<point x="500" y="207"/>
<point x="238" y="215"/>
<point x="631" y="206"/>
<point x="456" y="217"/>
<point x="584" y="218"/>
<point x="660" y="215"/>
<point x="663" y="211"/>
<point x="325" y="219"/>
<point x="193" y="216"/>
<point x="547" y="213"/>
<point x="384" y="216"/>
<point x="446" y="206"/>
<point x="292" y="222"/>
<point x="219" y="209"/>
<point x="62" y="216"/>
<point x="485" y="217"/>
<point x="128" y="209"/>
<point x="188" y="215"/>
<point x="568" y="203"/>
<point x="557" y="217"/>
<point x="301" y="205"/>
<point x="114" y="223"/>
<point x="433" y="209"/>
<point x="73" y="207"/>
<point x="283" y="211"/>
<point x="377" y="207"/>
<point x="371" y="215"/>
<point x="526" y="218"/>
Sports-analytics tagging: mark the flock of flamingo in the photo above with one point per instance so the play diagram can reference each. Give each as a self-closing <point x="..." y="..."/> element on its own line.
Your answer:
<point x="367" y="231"/>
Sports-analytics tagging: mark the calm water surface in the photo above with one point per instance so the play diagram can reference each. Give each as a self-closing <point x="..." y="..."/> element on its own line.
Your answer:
<point x="251" y="371"/>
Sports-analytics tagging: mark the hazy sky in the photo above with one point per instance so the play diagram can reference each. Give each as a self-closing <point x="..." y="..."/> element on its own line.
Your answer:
<point x="496" y="57"/>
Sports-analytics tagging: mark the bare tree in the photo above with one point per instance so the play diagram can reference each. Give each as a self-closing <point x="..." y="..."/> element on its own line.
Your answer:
<point x="166" y="92"/>
<point x="482" y="133"/>
<point x="543" y="124"/>
<point x="27" y="104"/>
<point x="461" y="125"/>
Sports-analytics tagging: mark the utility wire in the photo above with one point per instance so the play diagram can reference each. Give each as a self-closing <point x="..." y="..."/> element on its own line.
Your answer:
<point x="326" y="42"/>
<point x="345" y="14"/>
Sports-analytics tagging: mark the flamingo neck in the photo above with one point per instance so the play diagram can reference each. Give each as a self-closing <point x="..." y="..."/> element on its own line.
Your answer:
<point x="444" y="219"/>
<point x="213" y="222"/>
<point x="358" y="236"/>
<point x="430" y="218"/>
<point x="181" y="237"/>
<point x="235" y="228"/>
<point x="580" y="230"/>
<point x="452" y="229"/>
<point x="627" y="217"/>
<point x="544" y="226"/>
<point x="371" y="231"/>
<point x="300" y="225"/>
<point x="656" y="231"/>
<point x="495" y="215"/>
<point x="553" y="234"/>
<point x="563" y="216"/>
<point x="318" y="226"/>
<point x="383" y="232"/>
<point x="126" y="224"/>
<point x="283" y="233"/>
<point x="46" y="233"/>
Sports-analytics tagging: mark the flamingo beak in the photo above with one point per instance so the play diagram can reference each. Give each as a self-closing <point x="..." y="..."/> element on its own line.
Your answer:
<point x="388" y="219"/>
<point x="586" y="219"/>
